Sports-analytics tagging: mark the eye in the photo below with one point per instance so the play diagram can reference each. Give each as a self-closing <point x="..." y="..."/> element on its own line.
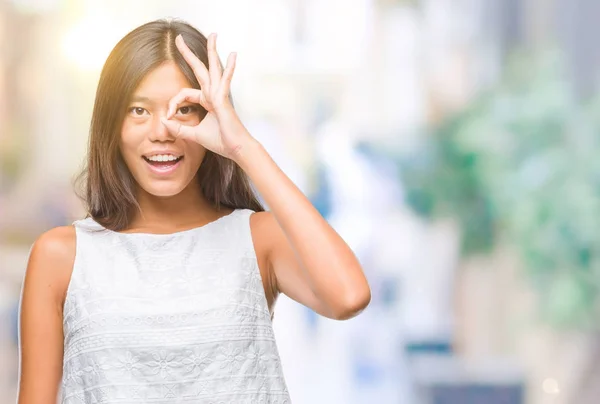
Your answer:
<point x="188" y="109"/>
<point x="137" y="111"/>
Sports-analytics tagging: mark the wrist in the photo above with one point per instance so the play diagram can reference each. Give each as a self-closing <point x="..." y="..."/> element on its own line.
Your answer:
<point x="247" y="152"/>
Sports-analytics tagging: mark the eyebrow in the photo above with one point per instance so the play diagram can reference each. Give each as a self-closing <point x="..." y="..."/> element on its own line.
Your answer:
<point x="139" y="98"/>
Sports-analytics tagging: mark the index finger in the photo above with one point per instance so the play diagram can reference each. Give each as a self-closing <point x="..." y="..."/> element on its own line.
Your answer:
<point x="215" y="71"/>
<point x="196" y="64"/>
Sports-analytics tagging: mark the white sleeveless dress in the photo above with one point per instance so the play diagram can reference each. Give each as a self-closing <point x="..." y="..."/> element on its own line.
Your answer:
<point x="169" y="318"/>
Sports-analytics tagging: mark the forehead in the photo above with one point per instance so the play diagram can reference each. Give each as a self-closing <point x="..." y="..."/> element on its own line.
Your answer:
<point x="162" y="83"/>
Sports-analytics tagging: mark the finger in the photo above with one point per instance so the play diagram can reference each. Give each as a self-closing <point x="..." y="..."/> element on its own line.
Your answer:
<point x="228" y="72"/>
<point x="196" y="64"/>
<point x="186" y="94"/>
<point x="179" y="130"/>
<point x="214" y="66"/>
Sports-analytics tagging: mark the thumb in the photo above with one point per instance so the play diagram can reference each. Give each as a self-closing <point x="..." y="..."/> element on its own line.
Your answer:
<point x="179" y="130"/>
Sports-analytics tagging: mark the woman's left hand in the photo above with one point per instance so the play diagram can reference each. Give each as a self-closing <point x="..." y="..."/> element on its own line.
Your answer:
<point x="221" y="130"/>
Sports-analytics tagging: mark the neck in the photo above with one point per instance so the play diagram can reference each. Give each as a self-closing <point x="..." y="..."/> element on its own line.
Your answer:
<point x="187" y="209"/>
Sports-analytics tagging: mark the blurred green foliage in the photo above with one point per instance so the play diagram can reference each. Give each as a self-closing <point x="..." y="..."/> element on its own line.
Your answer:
<point x="522" y="164"/>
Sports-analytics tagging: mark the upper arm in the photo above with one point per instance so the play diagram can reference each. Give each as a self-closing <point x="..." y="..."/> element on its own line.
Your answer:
<point x="279" y="264"/>
<point x="40" y="319"/>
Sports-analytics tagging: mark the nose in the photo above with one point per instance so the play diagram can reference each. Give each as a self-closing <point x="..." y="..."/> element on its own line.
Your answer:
<point x="159" y="132"/>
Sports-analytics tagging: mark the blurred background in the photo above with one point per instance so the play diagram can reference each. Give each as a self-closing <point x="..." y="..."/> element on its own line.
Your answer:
<point x="453" y="143"/>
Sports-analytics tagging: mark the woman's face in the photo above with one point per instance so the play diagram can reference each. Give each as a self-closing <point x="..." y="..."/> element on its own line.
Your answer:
<point x="162" y="164"/>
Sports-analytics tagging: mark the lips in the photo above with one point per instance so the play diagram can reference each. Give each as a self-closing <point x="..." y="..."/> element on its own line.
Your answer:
<point x="159" y="162"/>
<point x="164" y="167"/>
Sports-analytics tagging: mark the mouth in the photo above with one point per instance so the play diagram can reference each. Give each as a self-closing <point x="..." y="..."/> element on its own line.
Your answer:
<point x="162" y="164"/>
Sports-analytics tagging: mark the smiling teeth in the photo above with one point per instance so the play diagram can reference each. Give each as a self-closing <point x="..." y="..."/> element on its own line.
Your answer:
<point x="162" y="157"/>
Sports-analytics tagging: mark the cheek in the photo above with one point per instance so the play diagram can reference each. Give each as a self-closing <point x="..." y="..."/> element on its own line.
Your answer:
<point x="196" y="153"/>
<point x="132" y="137"/>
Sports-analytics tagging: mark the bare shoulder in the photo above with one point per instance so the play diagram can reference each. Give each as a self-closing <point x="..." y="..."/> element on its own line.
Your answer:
<point x="56" y="245"/>
<point x="265" y="229"/>
<point x="41" y="315"/>
<point x="263" y="225"/>
<point x="51" y="261"/>
<point x="262" y="221"/>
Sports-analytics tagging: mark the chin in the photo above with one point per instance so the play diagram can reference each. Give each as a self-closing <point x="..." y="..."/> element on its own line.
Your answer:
<point x="164" y="190"/>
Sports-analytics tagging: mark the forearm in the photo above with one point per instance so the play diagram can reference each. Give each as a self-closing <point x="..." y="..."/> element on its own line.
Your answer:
<point x="331" y="268"/>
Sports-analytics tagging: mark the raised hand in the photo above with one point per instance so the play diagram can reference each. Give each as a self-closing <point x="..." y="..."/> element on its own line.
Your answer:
<point x="216" y="131"/>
